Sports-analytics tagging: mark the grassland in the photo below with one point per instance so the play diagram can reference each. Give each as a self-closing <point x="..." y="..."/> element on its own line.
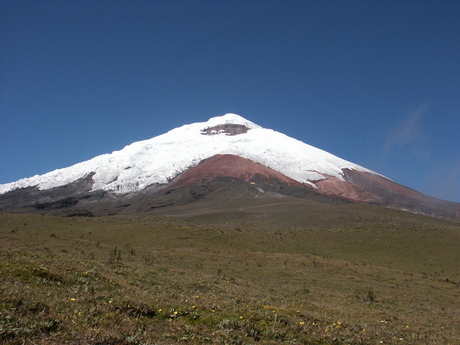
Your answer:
<point x="284" y="273"/>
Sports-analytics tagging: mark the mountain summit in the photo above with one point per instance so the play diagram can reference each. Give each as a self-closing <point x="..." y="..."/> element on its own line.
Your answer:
<point x="211" y="156"/>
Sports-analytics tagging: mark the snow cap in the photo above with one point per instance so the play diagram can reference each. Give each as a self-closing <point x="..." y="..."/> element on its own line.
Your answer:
<point x="231" y="118"/>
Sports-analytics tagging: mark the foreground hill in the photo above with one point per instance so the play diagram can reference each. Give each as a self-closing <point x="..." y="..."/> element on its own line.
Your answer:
<point x="258" y="271"/>
<point x="223" y="159"/>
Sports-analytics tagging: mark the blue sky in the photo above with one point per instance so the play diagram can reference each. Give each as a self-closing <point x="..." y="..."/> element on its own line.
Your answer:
<point x="373" y="82"/>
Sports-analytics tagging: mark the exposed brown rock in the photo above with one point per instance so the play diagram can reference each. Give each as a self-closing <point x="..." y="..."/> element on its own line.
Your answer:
<point x="228" y="129"/>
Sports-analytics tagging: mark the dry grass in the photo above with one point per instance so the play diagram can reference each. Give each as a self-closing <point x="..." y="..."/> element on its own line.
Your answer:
<point x="352" y="275"/>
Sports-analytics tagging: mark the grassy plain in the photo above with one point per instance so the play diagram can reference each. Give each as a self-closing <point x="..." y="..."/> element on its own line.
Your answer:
<point x="290" y="272"/>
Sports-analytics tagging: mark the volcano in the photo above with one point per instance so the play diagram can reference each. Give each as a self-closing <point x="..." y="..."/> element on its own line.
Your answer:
<point x="225" y="158"/>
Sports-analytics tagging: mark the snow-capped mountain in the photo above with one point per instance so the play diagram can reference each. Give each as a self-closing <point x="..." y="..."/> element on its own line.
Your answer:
<point x="225" y="146"/>
<point x="160" y="159"/>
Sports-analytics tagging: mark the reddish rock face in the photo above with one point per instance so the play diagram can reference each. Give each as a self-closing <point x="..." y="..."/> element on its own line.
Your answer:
<point x="231" y="166"/>
<point x="372" y="188"/>
<point x="333" y="186"/>
<point x="367" y="187"/>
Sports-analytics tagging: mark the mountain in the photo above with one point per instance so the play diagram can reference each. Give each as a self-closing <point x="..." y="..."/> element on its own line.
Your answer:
<point x="225" y="158"/>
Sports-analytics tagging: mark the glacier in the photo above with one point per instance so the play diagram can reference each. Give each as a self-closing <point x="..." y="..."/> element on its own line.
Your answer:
<point x="160" y="159"/>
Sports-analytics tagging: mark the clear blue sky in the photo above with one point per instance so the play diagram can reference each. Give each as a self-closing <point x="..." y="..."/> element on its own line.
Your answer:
<point x="373" y="82"/>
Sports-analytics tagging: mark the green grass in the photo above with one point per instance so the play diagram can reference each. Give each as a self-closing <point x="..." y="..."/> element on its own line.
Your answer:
<point x="345" y="274"/>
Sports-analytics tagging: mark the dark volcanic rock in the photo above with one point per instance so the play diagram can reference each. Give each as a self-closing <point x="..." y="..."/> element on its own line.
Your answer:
<point x="228" y="129"/>
<point x="33" y="196"/>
